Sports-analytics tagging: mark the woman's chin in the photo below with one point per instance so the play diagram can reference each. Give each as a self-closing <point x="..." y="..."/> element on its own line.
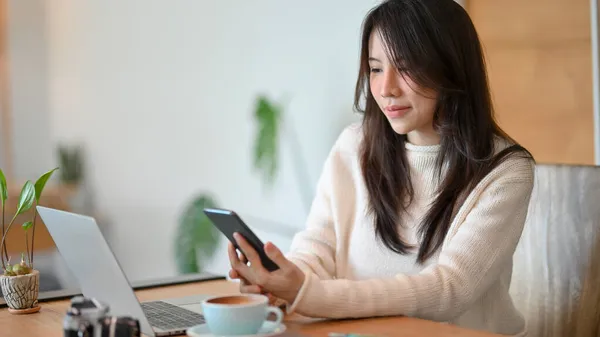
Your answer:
<point x="399" y="126"/>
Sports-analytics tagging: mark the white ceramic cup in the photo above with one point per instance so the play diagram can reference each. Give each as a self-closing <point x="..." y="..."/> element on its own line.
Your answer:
<point x="238" y="314"/>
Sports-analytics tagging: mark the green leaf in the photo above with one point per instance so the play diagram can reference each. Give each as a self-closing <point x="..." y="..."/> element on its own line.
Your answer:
<point x="3" y="188"/>
<point x="8" y="271"/>
<point x="71" y="164"/>
<point x="41" y="183"/>
<point x="268" y="118"/>
<point x="27" y="225"/>
<point x="26" y="198"/>
<point x="196" y="236"/>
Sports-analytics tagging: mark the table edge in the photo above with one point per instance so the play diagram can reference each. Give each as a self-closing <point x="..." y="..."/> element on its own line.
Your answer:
<point x="54" y="295"/>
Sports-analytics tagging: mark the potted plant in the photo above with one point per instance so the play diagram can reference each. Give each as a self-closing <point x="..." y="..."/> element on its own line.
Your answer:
<point x="72" y="178"/>
<point x="197" y="238"/>
<point x="270" y="122"/>
<point x="70" y="159"/>
<point x="20" y="281"/>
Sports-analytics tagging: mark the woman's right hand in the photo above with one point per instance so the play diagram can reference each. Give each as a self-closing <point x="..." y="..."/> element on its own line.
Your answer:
<point x="246" y="287"/>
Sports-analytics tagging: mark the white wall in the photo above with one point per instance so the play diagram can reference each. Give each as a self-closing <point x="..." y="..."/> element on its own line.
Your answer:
<point x="161" y="94"/>
<point x="28" y="70"/>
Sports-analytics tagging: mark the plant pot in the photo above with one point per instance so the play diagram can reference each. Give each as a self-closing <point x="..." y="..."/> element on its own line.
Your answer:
<point x="21" y="292"/>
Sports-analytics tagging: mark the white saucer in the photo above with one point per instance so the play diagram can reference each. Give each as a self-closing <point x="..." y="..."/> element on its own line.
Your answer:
<point x="267" y="329"/>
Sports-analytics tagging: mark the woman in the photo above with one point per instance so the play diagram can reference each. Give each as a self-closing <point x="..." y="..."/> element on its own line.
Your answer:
<point x="419" y="209"/>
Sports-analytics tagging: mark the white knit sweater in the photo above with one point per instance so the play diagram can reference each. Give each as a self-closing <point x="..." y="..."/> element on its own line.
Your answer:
<point x="351" y="274"/>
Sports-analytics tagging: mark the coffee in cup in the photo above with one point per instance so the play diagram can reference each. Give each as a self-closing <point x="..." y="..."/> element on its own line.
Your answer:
<point x="238" y="314"/>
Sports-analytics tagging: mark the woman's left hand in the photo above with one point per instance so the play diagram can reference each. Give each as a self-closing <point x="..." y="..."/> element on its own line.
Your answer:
<point x="284" y="283"/>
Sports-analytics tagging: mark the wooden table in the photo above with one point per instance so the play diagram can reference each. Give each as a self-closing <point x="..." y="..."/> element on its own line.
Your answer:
<point x="48" y="322"/>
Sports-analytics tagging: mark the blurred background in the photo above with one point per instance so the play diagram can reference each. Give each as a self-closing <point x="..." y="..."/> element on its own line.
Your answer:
<point x="155" y="109"/>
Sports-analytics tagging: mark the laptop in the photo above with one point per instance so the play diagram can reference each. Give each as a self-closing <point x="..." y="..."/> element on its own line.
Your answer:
<point x="93" y="264"/>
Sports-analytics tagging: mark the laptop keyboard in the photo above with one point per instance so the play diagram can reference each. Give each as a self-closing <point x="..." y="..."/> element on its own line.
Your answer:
<point x="166" y="316"/>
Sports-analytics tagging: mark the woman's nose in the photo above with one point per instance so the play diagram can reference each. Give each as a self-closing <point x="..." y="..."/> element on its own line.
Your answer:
<point x="390" y="87"/>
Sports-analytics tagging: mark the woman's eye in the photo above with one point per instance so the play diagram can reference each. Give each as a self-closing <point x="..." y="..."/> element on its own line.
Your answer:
<point x="375" y="70"/>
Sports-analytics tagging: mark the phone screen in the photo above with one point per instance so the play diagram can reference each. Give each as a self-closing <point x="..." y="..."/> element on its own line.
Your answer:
<point x="228" y="222"/>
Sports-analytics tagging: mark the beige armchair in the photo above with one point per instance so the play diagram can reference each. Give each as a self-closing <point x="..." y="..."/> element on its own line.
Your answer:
<point x="556" y="275"/>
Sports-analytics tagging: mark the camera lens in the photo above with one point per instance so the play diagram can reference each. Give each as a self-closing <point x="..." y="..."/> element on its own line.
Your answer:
<point x="120" y="327"/>
<point x="85" y="330"/>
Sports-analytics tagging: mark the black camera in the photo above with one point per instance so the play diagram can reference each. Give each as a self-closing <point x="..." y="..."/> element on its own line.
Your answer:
<point x="87" y="317"/>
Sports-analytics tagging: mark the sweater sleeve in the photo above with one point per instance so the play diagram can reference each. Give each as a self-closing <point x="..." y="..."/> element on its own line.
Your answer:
<point x="468" y="264"/>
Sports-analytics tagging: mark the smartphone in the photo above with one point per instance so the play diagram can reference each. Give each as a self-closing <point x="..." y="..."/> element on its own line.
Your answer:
<point x="228" y="222"/>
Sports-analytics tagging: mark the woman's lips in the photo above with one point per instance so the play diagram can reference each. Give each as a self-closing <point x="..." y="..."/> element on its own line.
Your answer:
<point x="396" y="111"/>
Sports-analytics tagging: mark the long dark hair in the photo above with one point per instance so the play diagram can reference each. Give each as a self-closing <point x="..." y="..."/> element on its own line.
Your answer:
<point x="436" y="42"/>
